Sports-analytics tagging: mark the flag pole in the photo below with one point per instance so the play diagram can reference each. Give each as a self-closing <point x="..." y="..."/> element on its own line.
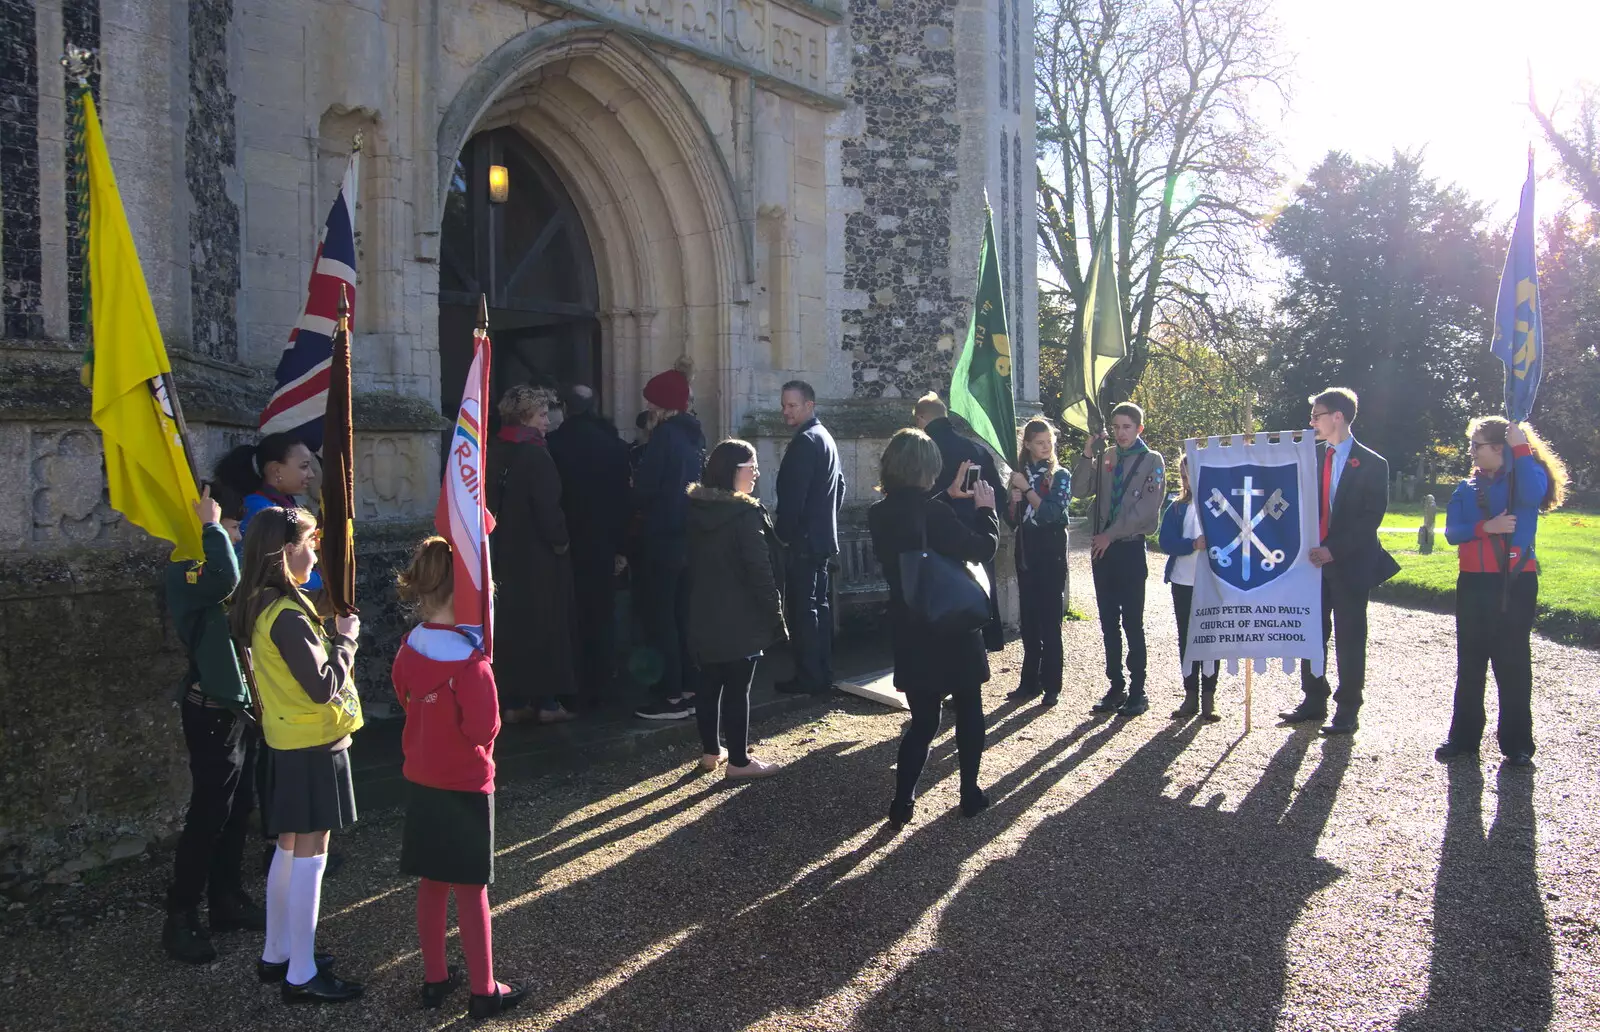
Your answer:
<point x="171" y="386"/>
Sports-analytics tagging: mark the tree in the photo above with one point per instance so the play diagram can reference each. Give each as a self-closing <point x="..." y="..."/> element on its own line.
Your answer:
<point x="1569" y="304"/>
<point x="1578" y="145"/>
<point x="1391" y="293"/>
<point x="1194" y="388"/>
<point x="1153" y="109"/>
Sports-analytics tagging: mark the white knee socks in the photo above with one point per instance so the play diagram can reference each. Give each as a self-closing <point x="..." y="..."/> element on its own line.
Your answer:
<point x="305" y="899"/>
<point x="276" y="949"/>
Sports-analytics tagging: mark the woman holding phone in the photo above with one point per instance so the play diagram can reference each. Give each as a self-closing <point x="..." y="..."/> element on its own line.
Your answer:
<point x="929" y="666"/>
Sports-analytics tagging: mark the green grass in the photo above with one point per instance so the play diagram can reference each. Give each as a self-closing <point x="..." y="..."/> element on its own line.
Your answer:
<point x="1569" y="570"/>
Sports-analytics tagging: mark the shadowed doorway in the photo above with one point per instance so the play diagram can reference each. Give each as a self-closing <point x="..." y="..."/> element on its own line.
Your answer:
<point x="511" y="232"/>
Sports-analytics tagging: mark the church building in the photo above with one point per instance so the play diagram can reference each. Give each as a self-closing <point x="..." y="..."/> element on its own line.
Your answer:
<point x="774" y="189"/>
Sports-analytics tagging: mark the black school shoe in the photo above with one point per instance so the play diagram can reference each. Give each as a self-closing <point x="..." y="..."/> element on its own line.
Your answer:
<point x="184" y="938"/>
<point x="325" y="988"/>
<point x="236" y="913"/>
<point x="488" y="1006"/>
<point x="1111" y="701"/>
<point x="434" y="993"/>
<point x="1450" y="750"/>
<point x="270" y="973"/>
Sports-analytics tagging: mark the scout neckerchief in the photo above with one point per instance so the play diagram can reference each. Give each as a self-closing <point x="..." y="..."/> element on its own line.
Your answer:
<point x="1122" y="475"/>
<point x="1041" y="475"/>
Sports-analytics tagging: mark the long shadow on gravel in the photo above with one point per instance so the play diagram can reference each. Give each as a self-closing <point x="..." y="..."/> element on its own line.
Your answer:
<point x="1132" y="910"/>
<point x="1491" y="940"/>
<point x="803" y="944"/>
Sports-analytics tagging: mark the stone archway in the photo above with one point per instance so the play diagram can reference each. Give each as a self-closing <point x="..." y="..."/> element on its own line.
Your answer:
<point x="656" y="200"/>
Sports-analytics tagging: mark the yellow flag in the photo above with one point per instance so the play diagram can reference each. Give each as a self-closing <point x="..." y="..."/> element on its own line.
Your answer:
<point x="146" y="469"/>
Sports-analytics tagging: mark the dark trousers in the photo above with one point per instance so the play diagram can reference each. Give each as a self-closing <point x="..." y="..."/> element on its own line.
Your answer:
<point x="724" y="698"/>
<point x="222" y="761"/>
<point x="664" y="613"/>
<point x="1182" y="602"/>
<point x="594" y="590"/>
<point x="1488" y="635"/>
<point x="926" y="709"/>
<point x="809" y="613"/>
<point x="1349" y="609"/>
<point x="1041" y="588"/>
<point x="1119" y="578"/>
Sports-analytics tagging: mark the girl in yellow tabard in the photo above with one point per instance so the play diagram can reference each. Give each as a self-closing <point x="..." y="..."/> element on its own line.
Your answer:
<point x="308" y="710"/>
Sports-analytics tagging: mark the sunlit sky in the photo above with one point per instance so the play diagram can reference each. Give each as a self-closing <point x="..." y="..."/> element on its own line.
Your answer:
<point x="1449" y="76"/>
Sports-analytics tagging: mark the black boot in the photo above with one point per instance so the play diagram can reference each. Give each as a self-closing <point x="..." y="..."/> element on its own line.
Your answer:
<point x="1137" y="705"/>
<point x="184" y="938"/>
<point x="1111" y="701"/>
<point x="1191" y="705"/>
<point x="1208" y="707"/>
<point x="900" y="814"/>
<point x="973" y="801"/>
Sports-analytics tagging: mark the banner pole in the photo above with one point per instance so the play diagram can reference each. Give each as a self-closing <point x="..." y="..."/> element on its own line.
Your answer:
<point x="1249" y="670"/>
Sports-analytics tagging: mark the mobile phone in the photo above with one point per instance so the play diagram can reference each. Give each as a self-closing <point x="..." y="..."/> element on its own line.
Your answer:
<point x="971" y="480"/>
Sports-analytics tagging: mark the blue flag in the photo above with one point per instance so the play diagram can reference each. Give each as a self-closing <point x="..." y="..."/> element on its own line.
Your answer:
<point x="1518" y="333"/>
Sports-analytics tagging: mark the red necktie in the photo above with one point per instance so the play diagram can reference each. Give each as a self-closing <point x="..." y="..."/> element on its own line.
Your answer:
<point x="1327" y="493"/>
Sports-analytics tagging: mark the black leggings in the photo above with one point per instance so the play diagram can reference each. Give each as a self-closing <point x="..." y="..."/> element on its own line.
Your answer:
<point x="725" y="693"/>
<point x="1182" y="602"/>
<point x="926" y="708"/>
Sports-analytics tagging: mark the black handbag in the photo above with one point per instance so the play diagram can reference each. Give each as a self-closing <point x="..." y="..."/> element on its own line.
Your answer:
<point x="943" y="594"/>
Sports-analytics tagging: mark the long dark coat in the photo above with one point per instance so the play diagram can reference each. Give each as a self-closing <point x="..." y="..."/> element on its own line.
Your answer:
<point x="533" y="644"/>
<point x="735" y="609"/>
<point x="925" y="661"/>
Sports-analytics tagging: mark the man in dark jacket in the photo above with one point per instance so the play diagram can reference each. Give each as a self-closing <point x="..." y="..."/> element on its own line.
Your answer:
<point x="1352" y="497"/>
<point x="933" y="418"/>
<point x="671" y="462"/>
<point x="593" y="462"/>
<point x="810" y="494"/>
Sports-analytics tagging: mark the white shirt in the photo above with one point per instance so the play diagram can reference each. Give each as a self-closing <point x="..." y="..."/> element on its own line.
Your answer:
<point x="1183" y="570"/>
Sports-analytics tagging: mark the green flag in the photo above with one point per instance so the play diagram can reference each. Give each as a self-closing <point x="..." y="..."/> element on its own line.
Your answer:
<point x="1102" y="344"/>
<point x="980" y="388"/>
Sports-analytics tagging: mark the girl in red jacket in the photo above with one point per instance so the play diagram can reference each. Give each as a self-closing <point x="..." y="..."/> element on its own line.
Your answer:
<point x="446" y="687"/>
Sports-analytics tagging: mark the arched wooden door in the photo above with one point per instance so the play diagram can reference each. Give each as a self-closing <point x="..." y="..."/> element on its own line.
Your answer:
<point x="529" y="255"/>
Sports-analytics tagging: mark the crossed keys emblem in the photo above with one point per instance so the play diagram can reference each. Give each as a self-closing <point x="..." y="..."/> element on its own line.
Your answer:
<point x="1247" y="520"/>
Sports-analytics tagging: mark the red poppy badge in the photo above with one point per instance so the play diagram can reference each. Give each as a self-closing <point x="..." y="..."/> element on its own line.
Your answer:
<point x="1354" y="462"/>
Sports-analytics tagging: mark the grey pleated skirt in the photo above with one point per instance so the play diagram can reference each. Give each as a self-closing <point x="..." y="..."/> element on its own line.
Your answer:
<point x="308" y="790"/>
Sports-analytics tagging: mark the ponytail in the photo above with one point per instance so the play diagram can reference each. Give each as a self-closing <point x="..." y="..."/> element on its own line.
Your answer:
<point x="243" y="470"/>
<point x="430" y="579"/>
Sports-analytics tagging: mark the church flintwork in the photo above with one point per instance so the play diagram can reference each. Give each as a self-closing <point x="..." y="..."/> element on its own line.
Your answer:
<point x="772" y="188"/>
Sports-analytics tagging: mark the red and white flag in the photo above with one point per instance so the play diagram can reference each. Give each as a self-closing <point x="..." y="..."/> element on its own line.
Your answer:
<point x="463" y="516"/>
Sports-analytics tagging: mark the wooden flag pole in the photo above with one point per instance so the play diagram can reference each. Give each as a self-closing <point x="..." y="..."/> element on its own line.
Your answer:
<point x="1249" y="670"/>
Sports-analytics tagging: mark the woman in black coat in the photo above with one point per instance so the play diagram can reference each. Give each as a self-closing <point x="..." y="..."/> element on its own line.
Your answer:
<point x="735" y="609"/>
<point x="930" y="666"/>
<point x="533" y="656"/>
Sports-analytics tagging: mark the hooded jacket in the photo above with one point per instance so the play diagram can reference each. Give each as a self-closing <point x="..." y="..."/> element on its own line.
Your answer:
<point x="671" y="463"/>
<point x="735" y="609"/>
<point x="445" y="685"/>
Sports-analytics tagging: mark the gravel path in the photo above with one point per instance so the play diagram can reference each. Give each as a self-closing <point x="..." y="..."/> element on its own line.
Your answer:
<point x="1140" y="875"/>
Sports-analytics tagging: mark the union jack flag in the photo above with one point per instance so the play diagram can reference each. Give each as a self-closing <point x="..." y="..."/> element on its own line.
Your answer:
<point x="300" y="400"/>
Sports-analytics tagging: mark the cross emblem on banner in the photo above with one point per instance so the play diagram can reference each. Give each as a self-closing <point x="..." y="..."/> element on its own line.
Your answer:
<point x="1247" y="519"/>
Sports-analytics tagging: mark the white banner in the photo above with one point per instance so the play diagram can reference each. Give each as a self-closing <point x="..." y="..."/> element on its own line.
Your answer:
<point x="1256" y="596"/>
